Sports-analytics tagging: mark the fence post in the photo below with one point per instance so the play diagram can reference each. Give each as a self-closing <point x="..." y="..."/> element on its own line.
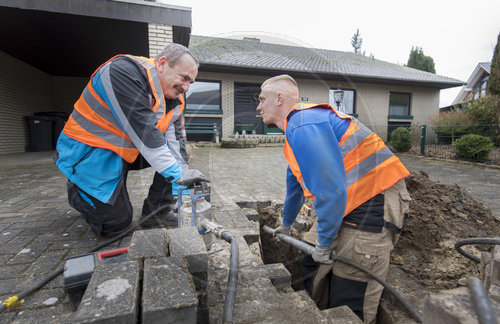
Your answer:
<point x="422" y="140"/>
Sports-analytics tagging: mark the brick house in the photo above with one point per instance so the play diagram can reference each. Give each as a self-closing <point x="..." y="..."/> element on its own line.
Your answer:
<point x="381" y="94"/>
<point x="50" y="49"/>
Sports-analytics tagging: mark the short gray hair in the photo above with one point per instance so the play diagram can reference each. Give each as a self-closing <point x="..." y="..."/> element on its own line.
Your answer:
<point x="173" y="52"/>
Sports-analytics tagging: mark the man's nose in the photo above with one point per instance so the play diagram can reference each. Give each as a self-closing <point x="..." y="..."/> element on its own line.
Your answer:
<point x="185" y="86"/>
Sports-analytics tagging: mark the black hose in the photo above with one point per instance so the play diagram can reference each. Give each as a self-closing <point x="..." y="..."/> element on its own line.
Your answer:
<point x="474" y="240"/>
<point x="232" y="279"/>
<point x="481" y="302"/>
<point x="60" y="270"/>
<point x="308" y="249"/>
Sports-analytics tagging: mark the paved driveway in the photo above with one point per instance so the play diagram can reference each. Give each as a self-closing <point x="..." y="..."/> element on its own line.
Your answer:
<point x="38" y="229"/>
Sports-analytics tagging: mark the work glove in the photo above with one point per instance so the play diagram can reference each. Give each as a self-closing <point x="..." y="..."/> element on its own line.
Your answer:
<point x="191" y="177"/>
<point x="173" y="173"/>
<point x="283" y="229"/>
<point x="175" y="190"/>
<point x="321" y="254"/>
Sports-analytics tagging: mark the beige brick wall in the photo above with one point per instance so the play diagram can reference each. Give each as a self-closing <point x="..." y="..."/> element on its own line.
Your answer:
<point x="372" y="100"/>
<point x="24" y="90"/>
<point x="159" y="36"/>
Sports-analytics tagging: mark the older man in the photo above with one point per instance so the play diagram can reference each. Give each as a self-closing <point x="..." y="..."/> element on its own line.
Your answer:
<point x="359" y="195"/>
<point x="128" y="117"/>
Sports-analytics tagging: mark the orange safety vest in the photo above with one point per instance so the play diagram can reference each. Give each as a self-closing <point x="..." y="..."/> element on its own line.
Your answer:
<point x="370" y="166"/>
<point x="93" y="123"/>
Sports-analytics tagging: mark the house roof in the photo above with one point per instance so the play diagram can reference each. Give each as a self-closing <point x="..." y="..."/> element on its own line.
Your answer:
<point x="254" y="57"/>
<point x="476" y="75"/>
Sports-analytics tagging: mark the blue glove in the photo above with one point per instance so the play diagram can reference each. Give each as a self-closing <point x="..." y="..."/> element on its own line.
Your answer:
<point x="176" y="187"/>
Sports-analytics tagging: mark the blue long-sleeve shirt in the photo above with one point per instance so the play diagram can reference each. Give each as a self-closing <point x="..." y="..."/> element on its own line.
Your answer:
<point x="313" y="135"/>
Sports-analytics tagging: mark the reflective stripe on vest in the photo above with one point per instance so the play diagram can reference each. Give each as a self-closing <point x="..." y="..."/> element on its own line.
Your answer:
<point x="93" y="123"/>
<point x="369" y="165"/>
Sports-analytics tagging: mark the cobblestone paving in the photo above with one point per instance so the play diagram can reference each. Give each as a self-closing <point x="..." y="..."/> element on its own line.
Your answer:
<point x="38" y="229"/>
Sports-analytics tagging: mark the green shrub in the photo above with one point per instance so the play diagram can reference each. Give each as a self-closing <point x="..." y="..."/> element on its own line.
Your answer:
<point x="401" y="139"/>
<point x="485" y="113"/>
<point x="473" y="147"/>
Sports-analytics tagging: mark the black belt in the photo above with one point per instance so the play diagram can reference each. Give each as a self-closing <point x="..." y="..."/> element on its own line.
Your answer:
<point x="376" y="229"/>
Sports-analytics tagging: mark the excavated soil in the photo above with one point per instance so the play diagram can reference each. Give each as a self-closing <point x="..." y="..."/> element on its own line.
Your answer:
<point x="440" y="215"/>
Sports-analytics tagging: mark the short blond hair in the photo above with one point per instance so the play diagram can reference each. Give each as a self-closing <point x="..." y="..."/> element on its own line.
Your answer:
<point x="283" y="77"/>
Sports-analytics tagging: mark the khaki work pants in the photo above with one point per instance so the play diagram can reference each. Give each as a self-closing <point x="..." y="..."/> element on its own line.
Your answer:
<point x="340" y="284"/>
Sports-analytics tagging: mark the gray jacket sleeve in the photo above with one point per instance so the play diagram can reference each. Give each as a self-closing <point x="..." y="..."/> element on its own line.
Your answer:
<point x="177" y="142"/>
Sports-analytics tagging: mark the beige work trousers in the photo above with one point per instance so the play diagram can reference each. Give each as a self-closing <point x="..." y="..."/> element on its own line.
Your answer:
<point x="371" y="250"/>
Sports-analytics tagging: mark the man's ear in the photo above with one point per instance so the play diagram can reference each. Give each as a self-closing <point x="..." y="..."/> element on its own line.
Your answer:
<point x="280" y="98"/>
<point x="162" y="63"/>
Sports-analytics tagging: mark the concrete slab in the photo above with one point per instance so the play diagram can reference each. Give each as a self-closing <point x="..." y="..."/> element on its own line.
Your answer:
<point x="168" y="293"/>
<point x="112" y="295"/>
<point x="148" y="244"/>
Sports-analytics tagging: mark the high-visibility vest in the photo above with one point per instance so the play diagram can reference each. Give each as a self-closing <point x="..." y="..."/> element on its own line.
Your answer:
<point x="93" y="123"/>
<point x="370" y="166"/>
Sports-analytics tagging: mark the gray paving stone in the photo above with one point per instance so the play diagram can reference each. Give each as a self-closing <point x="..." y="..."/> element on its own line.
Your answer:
<point x="12" y="271"/>
<point x="452" y="306"/>
<point x="168" y="293"/>
<point x="7" y="317"/>
<point x="45" y="263"/>
<point x="148" y="243"/>
<point x="11" y="286"/>
<point x="187" y="242"/>
<point x="51" y="315"/>
<point x="112" y="295"/>
<point x="8" y="235"/>
<point x="276" y="272"/>
<point x="15" y="245"/>
<point x="44" y="298"/>
<point x="29" y="253"/>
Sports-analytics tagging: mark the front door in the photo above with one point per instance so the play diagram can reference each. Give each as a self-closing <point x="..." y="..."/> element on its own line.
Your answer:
<point x="246" y="100"/>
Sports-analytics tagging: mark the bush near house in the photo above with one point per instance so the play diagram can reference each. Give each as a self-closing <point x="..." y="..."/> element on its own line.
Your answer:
<point x="485" y="112"/>
<point x="473" y="147"/>
<point x="401" y="139"/>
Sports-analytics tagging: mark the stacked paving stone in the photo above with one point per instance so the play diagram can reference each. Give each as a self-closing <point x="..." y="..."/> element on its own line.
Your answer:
<point x="156" y="281"/>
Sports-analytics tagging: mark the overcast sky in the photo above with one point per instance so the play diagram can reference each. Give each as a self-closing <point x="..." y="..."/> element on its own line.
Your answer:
<point x="456" y="34"/>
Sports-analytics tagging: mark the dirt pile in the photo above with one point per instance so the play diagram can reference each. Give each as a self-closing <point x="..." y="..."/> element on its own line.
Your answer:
<point x="440" y="215"/>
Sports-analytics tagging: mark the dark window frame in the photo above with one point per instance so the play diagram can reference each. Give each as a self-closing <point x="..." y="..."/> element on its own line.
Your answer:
<point x="206" y="112"/>
<point x="409" y="94"/>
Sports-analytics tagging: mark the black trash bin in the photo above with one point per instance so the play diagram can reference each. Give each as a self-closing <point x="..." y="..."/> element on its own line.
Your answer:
<point x="40" y="133"/>
<point x="59" y="119"/>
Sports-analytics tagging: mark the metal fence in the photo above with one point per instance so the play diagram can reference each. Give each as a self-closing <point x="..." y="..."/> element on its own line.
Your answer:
<point x="437" y="141"/>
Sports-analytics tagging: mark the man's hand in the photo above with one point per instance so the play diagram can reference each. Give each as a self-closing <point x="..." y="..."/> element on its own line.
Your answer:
<point x="190" y="177"/>
<point x="322" y="254"/>
<point x="283" y="229"/>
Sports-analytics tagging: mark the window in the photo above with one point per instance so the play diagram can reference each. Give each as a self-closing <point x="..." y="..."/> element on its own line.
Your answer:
<point x="399" y="104"/>
<point x="204" y="97"/>
<point x="347" y="104"/>
<point x="480" y="88"/>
